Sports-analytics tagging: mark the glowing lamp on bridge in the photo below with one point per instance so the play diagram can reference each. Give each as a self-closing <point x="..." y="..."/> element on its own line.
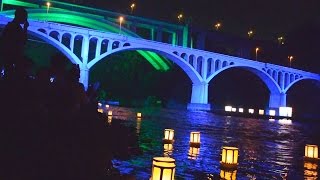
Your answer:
<point x="195" y="139"/>
<point x="240" y="110"/>
<point x="285" y="111"/>
<point x="229" y="157"/>
<point x="228" y="175"/>
<point x="272" y="112"/>
<point x="251" y="111"/>
<point x="228" y="108"/>
<point x="261" y="112"/>
<point x="163" y="168"/>
<point x="193" y="152"/>
<point x="139" y="115"/>
<point x="109" y="113"/>
<point x="311" y="152"/>
<point x="168" y="136"/>
<point x="234" y="109"/>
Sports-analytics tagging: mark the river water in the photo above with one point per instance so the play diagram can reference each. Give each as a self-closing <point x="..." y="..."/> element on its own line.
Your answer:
<point x="268" y="149"/>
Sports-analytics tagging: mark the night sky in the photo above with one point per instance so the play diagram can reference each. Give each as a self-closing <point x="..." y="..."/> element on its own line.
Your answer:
<point x="268" y="18"/>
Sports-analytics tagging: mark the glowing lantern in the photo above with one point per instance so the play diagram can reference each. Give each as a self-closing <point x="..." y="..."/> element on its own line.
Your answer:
<point x="251" y="111"/>
<point x="168" y="136"/>
<point x="99" y="104"/>
<point x="107" y="106"/>
<point x="100" y="110"/>
<point x="261" y="112"/>
<point x="195" y="139"/>
<point x="241" y="110"/>
<point x="193" y="152"/>
<point x="233" y="109"/>
<point x="311" y="152"/>
<point x="228" y="108"/>
<point x="272" y="112"/>
<point x="228" y="175"/>
<point x="163" y="168"/>
<point x="229" y="157"/>
<point x="285" y="111"/>
<point x="139" y="115"/>
<point x="109" y="113"/>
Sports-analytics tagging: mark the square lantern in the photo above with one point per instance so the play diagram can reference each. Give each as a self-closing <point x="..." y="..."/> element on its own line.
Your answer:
<point x="234" y="109"/>
<point x="195" y="139"/>
<point x="228" y="108"/>
<point x="229" y="157"/>
<point x="228" y="175"/>
<point x="100" y="110"/>
<point x="139" y="115"/>
<point x="99" y="104"/>
<point x="272" y="112"/>
<point x="107" y="106"/>
<point x="240" y="110"/>
<point x="261" y="112"/>
<point x="285" y="111"/>
<point x="168" y="136"/>
<point x="193" y="152"/>
<point x="163" y="168"/>
<point x="251" y="111"/>
<point x="311" y="152"/>
<point x="109" y="113"/>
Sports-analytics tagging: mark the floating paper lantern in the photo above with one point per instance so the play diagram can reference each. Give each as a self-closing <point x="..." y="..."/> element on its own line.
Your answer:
<point x="100" y="110"/>
<point x="139" y="115"/>
<point x="261" y="112"/>
<point x="163" y="168"/>
<point x="195" y="139"/>
<point x="311" y="152"/>
<point x="228" y="108"/>
<point x="107" y="106"/>
<point x="229" y="157"/>
<point x="241" y="110"/>
<point x="272" y="112"/>
<point x="234" y="109"/>
<point x="168" y="136"/>
<point x="251" y="111"/>
<point x="285" y="111"/>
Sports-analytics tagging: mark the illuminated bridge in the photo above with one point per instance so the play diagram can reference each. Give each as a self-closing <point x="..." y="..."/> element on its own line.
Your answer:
<point x="99" y="37"/>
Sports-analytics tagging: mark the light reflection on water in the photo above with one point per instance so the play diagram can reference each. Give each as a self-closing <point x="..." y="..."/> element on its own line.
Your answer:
<point x="268" y="149"/>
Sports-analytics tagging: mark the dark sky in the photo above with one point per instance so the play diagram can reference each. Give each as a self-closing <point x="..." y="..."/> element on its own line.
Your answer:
<point x="268" y="17"/>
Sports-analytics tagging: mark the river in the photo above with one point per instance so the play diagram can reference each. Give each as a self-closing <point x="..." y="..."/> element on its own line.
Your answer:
<point x="268" y="149"/>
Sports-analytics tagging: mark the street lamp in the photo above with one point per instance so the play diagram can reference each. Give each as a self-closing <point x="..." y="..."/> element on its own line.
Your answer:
<point x="250" y="33"/>
<point x="257" y="49"/>
<point x="48" y="7"/>
<point x="217" y="26"/>
<point x="180" y="16"/>
<point x="132" y="7"/>
<point x="290" y="59"/>
<point x="121" y="19"/>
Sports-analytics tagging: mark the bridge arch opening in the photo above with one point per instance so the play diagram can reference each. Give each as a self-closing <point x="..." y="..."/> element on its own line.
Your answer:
<point x="126" y="77"/>
<point x="303" y="97"/>
<point x="239" y="87"/>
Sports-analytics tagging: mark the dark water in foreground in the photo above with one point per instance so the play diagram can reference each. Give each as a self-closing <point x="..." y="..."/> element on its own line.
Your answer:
<point x="267" y="149"/>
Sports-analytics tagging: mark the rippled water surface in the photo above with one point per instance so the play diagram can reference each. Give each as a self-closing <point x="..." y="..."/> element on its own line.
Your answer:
<point x="267" y="149"/>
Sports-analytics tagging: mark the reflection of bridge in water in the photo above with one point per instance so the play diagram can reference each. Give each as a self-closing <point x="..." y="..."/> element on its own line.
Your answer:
<point x="86" y="47"/>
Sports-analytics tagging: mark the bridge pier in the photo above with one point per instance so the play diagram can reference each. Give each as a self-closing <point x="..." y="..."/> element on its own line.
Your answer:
<point x="199" y="97"/>
<point x="84" y="77"/>
<point x="277" y="100"/>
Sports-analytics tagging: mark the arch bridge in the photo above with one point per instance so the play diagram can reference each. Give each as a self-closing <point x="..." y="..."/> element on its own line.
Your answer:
<point x="200" y="66"/>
